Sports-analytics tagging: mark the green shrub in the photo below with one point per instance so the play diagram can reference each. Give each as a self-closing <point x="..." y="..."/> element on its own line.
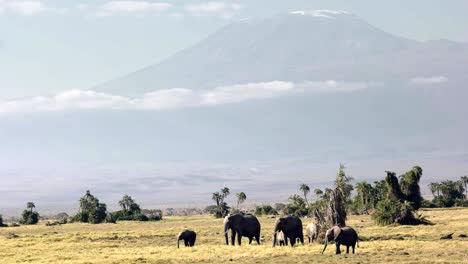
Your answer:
<point x="91" y="210"/>
<point x="29" y="217"/>
<point x="140" y="217"/>
<point x="461" y="203"/>
<point x="386" y="212"/>
<point x="265" y="210"/>
<point x="1" y="221"/>
<point x="442" y="201"/>
<point x="427" y="204"/>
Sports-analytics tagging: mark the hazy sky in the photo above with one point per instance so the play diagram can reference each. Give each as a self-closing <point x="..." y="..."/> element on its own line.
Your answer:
<point x="49" y="45"/>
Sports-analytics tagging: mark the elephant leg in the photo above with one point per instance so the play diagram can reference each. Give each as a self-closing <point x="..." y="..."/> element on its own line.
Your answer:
<point x="292" y="239"/>
<point x="338" y="251"/>
<point x="239" y="239"/>
<point x="233" y="238"/>
<point x="309" y="239"/>
<point x="353" y="247"/>
<point x="257" y="237"/>
<point x="186" y="242"/>
<point x="250" y="240"/>
<point x="301" y="238"/>
<point x="286" y="240"/>
<point x="347" y="249"/>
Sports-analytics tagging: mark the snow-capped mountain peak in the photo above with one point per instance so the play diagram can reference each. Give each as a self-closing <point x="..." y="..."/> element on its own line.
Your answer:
<point x="321" y="13"/>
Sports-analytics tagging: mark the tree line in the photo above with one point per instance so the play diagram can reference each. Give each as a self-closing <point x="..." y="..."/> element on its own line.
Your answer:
<point x="392" y="200"/>
<point x="91" y="210"/>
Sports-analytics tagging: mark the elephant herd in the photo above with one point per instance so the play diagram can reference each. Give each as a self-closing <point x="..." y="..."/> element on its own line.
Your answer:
<point x="288" y="230"/>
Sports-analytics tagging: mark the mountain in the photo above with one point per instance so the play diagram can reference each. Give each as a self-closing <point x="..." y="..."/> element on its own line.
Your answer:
<point x="296" y="47"/>
<point x="256" y="143"/>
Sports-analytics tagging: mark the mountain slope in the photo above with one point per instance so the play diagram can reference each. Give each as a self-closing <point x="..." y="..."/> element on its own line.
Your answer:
<point x="299" y="46"/>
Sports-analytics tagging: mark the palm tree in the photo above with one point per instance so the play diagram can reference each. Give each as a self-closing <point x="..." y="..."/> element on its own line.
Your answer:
<point x="318" y="192"/>
<point x="304" y="188"/>
<point x="241" y="197"/>
<point x="343" y="182"/>
<point x="124" y="203"/>
<point x="225" y="191"/>
<point x="464" y="180"/>
<point x="361" y="190"/>
<point x="30" y="206"/>
<point x="217" y="198"/>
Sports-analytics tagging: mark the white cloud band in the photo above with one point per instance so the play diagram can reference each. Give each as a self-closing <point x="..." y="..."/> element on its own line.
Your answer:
<point x="175" y="98"/>
<point x="221" y="9"/>
<point x="129" y="7"/>
<point x="22" y="7"/>
<point x="428" y="80"/>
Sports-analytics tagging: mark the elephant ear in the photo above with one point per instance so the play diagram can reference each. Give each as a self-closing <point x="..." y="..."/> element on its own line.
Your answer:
<point x="336" y="232"/>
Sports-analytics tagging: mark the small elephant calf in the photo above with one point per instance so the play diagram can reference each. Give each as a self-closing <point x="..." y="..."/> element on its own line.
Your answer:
<point x="280" y="239"/>
<point x="188" y="236"/>
<point x="312" y="232"/>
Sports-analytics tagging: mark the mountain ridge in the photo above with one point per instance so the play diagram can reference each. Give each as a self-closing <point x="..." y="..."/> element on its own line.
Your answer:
<point x="297" y="46"/>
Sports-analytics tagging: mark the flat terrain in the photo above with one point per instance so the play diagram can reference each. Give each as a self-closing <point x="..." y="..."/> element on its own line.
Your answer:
<point x="154" y="242"/>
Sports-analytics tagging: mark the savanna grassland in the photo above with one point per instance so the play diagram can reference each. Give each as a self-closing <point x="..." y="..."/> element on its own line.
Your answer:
<point x="154" y="242"/>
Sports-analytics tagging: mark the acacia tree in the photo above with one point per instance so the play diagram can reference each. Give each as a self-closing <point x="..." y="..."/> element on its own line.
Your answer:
<point x="304" y="188"/>
<point x="241" y="197"/>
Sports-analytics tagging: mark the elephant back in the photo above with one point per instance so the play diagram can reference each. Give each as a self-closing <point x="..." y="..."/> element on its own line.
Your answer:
<point x="292" y="224"/>
<point x="251" y="223"/>
<point x="348" y="235"/>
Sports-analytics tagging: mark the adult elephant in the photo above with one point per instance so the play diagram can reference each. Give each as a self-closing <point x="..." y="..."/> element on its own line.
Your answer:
<point x="188" y="236"/>
<point x="291" y="226"/>
<point x="241" y="225"/>
<point x="342" y="236"/>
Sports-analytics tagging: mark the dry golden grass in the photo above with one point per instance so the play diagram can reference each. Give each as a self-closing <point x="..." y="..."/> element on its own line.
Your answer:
<point x="154" y="242"/>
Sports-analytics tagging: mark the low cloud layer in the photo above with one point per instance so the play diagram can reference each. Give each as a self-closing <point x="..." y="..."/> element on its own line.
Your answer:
<point x="428" y="80"/>
<point x="222" y="9"/>
<point x="129" y="7"/>
<point x="175" y="98"/>
<point x="22" y="7"/>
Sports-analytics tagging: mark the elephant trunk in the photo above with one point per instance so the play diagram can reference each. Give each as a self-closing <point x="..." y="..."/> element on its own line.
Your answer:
<point x="325" y="247"/>
<point x="226" y="228"/>
<point x="178" y="240"/>
<point x="274" y="238"/>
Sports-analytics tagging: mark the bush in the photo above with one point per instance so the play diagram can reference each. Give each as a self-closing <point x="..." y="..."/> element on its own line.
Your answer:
<point x="91" y="210"/>
<point x="386" y="212"/>
<point x="265" y="210"/>
<point x="392" y="211"/>
<point x="461" y="203"/>
<point x="153" y="214"/>
<point x="140" y="217"/>
<point x="110" y="218"/>
<point x="427" y="204"/>
<point x="442" y="201"/>
<point x="29" y="217"/>
<point x="1" y="221"/>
